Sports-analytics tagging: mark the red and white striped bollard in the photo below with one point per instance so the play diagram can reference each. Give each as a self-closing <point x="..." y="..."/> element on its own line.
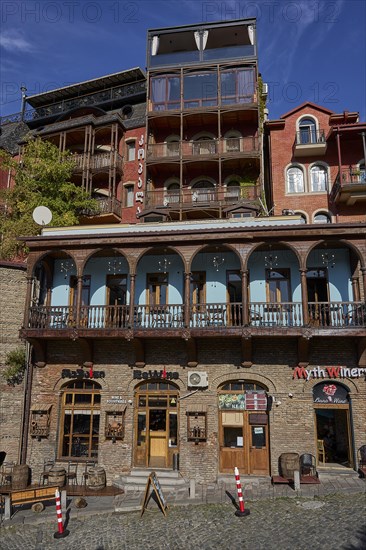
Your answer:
<point x="242" y="511"/>
<point x="61" y="533"/>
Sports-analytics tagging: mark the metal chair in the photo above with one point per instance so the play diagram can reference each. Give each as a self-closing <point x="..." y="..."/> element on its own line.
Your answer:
<point x="362" y="460"/>
<point x="47" y="465"/>
<point x="88" y="464"/>
<point x="307" y="465"/>
<point x="72" y="473"/>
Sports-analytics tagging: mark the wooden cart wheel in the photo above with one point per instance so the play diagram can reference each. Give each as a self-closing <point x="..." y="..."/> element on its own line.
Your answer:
<point x="38" y="507"/>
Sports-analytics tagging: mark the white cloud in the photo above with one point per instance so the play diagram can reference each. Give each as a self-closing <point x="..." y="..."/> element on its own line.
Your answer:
<point x="12" y="40"/>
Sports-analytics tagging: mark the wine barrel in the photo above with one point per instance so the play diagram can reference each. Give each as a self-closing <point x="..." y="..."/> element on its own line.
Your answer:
<point x="289" y="462"/>
<point x="57" y="476"/>
<point x="20" y="476"/>
<point x="96" y="479"/>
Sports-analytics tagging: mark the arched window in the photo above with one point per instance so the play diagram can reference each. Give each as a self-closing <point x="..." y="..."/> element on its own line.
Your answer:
<point x="172" y="193"/>
<point x="232" y="141"/>
<point x="318" y="178"/>
<point x="307" y="131"/>
<point x="80" y="414"/>
<point x="203" y="191"/>
<point x="295" y="180"/>
<point x="303" y="217"/>
<point x="172" y="145"/>
<point x="322" y="217"/>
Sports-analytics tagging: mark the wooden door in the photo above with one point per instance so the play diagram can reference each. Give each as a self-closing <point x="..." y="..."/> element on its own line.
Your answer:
<point x="233" y="445"/>
<point x="258" y="443"/>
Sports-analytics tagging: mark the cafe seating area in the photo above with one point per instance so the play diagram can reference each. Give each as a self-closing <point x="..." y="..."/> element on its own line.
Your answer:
<point x="289" y="463"/>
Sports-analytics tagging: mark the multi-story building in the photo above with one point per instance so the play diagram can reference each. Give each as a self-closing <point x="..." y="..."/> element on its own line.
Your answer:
<point x="200" y="332"/>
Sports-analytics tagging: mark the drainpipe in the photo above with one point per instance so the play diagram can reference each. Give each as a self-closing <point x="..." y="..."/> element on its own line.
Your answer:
<point x="23" y="89"/>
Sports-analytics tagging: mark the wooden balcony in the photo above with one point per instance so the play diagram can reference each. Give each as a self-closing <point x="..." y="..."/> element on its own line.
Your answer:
<point x="196" y="150"/>
<point x="349" y="186"/>
<point x="100" y="162"/>
<point x="261" y="315"/>
<point x="197" y="198"/>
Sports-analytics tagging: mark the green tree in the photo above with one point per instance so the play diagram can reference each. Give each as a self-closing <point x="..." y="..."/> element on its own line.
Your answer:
<point x="42" y="177"/>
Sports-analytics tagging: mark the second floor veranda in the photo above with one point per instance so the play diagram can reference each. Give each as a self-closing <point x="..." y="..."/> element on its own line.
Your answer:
<point x="214" y="295"/>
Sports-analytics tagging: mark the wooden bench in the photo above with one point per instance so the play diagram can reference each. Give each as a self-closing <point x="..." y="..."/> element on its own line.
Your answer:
<point x="31" y="495"/>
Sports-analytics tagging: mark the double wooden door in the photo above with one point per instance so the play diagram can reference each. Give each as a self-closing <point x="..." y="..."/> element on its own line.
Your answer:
<point x="244" y="442"/>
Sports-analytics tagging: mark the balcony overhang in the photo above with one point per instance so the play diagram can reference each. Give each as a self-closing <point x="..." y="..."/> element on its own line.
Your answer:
<point x="351" y="194"/>
<point x="310" y="149"/>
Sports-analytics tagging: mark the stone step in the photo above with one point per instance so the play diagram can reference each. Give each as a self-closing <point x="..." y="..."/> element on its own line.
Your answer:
<point x="137" y="479"/>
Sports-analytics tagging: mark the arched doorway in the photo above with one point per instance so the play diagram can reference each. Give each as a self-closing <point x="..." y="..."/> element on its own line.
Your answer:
<point x="80" y="415"/>
<point x="243" y="428"/>
<point x="156" y="424"/>
<point x="332" y="423"/>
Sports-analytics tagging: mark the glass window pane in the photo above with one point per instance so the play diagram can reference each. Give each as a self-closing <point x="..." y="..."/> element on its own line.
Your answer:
<point x="83" y="398"/>
<point x="233" y="437"/>
<point x="173" y="430"/>
<point x="201" y="87"/>
<point x="258" y="436"/>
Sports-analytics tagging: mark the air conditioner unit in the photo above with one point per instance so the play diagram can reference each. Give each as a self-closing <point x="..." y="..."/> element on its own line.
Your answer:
<point x="197" y="379"/>
<point x="265" y="89"/>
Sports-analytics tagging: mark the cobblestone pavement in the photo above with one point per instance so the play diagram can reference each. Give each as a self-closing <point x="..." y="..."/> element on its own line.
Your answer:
<point x="330" y="522"/>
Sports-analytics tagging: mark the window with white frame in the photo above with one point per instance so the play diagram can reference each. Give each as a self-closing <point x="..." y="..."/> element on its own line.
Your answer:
<point x="129" y="194"/>
<point x="318" y="178"/>
<point x="131" y="150"/>
<point x="295" y="180"/>
<point x="307" y="131"/>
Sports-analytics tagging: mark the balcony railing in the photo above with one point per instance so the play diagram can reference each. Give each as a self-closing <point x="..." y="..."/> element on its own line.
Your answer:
<point x="109" y="205"/>
<point x="100" y="161"/>
<point x="224" y="146"/>
<point x="260" y="314"/>
<point x="196" y="198"/>
<point x="309" y="136"/>
<point x="89" y="100"/>
<point x="349" y="179"/>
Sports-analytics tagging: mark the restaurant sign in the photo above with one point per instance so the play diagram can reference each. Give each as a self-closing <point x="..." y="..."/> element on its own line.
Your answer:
<point x="328" y="372"/>
<point x="146" y="375"/>
<point x="330" y="393"/>
<point x="80" y="373"/>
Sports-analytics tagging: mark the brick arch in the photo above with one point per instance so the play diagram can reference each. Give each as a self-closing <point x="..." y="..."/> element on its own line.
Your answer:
<point x="250" y="375"/>
<point x="61" y="383"/>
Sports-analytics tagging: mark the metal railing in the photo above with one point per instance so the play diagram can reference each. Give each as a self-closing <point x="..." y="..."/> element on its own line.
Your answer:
<point x="88" y="100"/>
<point x="171" y="316"/>
<point x="213" y="196"/>
<point x="109" y="205"/>
<point x="309" y="136"/>
<point x="348" y="177"/>
<point x="223" y="146"/>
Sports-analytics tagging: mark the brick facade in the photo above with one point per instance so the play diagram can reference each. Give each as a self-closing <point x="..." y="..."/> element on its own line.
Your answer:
<point x="12" y="296"/>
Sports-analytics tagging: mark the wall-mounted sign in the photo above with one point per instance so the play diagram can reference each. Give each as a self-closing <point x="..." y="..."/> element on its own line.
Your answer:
<point x="328" y="372"/>
<point x="329" y="393"/>
<point x="248" y="401"/>
<point x="146" y="375"/>
<point x="116" y="400"/>
<point x="139" y="195"/>
<point x="80" y="373"/>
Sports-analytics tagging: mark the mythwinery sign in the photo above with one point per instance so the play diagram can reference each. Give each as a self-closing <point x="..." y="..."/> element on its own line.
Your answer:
<point x="328" y="372"/>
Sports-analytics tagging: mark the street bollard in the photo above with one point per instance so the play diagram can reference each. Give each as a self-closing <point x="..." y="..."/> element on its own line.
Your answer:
<point x="242" y="511"/>
<point x="61" y="533"/>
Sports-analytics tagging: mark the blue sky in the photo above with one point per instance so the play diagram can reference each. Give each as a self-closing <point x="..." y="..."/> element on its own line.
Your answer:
<point x="308" y="50"/>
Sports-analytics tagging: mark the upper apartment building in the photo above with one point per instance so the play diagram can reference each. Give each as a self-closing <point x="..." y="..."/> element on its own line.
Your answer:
<point x="209" y="330"/>
<point x="317" y="164"/>
<point x="203" y="154"/>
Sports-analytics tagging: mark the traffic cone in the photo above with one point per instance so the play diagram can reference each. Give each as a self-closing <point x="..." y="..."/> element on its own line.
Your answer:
<point x="242" y="511"/>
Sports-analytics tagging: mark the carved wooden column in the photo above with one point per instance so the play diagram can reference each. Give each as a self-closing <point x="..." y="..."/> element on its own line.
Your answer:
<point x="132" y="299"/>
<point x="355" y="289"/>
<point x="363" y="271"/>
<point x="186" y="307"/>
<point x="79" y="293"/>
<point x="304" y="297"/>
<point x="244" y="297"/>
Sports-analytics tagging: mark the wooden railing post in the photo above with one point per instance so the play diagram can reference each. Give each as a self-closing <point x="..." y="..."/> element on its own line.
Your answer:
<point x="132" y="299"/>
<point x="245" y="301"/>
<point x="187" y="284"/>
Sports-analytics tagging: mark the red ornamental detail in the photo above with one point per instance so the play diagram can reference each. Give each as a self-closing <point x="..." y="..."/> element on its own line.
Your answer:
<point x="330" y="389"/>
<point x="163" y="374"/>
<point x="91" y="372"/>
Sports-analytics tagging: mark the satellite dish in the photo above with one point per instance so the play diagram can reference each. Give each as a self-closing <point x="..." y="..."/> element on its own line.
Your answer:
<point x="42" y="215"/>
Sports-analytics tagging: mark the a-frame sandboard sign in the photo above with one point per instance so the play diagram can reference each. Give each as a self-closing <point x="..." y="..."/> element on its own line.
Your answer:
<point x="153" y="481"/>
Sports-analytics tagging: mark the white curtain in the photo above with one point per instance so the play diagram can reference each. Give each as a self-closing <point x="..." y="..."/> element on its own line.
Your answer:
<point x="197" y="39"/>
<point x="251" y="34"/>
<point x="154" y="45"/>
<point x="295" y="180"/>
<point x="318" y="178"/>
<point x="205" y="38"/>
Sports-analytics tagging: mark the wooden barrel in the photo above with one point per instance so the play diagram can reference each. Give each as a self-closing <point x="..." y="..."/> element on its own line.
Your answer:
<point x="57" y="476"/>
<point x="289" y="462"/>
<point x="20" y="476"/>
<point x="96" y="478"/>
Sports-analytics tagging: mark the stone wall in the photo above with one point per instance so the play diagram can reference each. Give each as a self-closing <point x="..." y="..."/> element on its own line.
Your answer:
<point x="291" y="418"/>
<point x="12" y="297"/>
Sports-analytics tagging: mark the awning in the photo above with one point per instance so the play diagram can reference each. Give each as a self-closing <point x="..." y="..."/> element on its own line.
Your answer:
<point x="42" y="407"/>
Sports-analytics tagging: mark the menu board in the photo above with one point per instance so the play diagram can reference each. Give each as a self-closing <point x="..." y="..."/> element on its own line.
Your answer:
<point x="154" y="483"/>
